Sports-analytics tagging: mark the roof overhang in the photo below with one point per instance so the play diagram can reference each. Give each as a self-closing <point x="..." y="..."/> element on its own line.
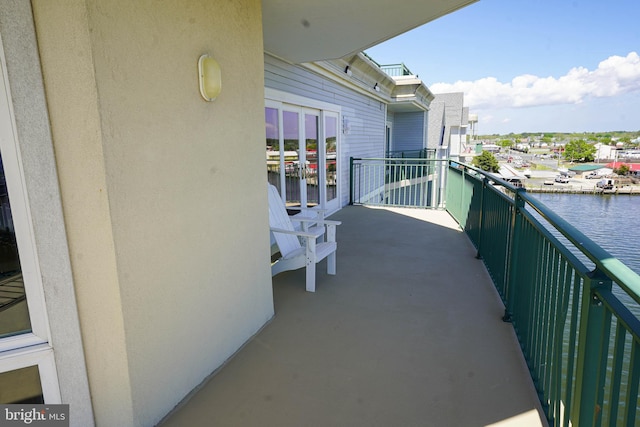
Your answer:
<point x="304" y="31"/>
<point x="409" y="94"/>
<point x="401" y="94"/>
<point x="363" y="75"/>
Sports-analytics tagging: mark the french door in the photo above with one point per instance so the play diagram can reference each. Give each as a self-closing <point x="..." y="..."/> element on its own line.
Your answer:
<point x="302" y="154"/>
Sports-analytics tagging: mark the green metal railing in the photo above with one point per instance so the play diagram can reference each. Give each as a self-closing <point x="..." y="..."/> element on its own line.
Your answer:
<point x="575" y="308"/>
<point x="416" y="182"/>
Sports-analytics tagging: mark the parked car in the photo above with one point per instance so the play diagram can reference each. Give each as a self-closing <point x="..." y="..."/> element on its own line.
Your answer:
<point x="606" y="184"/>
<point x="592" y="175"/>
<point x="562" y="179"/>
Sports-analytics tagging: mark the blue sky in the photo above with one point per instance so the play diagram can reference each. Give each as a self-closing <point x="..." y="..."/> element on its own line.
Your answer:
<point x="532" y="65"/>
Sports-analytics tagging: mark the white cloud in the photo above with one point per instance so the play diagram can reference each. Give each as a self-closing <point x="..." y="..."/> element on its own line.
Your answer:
<point x="614" y="76"/>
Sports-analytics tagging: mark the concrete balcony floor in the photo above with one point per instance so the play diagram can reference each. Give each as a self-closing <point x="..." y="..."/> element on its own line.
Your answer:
<point x="408" y="333"/>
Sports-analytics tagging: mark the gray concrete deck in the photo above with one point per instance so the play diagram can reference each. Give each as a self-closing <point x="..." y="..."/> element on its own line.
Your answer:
<point x="408" y="333"/>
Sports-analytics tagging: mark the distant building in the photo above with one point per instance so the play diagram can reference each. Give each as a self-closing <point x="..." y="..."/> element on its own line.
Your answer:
<point x="604" y="152"/>
<point x="493" y="148"/>
<point x="448" y="121"/>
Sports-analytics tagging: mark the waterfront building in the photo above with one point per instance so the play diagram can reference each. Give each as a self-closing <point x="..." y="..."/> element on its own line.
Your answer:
<point x="137" y="179"/>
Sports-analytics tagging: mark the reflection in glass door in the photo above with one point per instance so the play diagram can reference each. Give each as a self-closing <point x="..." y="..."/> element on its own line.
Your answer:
<point x="21" y="386"/>
<point x="294" y="160"/>
<point x="14" y="313"/>
<point x="274" y="156"/>
<point x="311" y="154"/>
<point x="301" y="146"/>
<point x="331" y="159"/>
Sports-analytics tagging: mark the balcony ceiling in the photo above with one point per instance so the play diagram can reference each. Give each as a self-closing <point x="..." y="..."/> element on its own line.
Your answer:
<point x="305" y="31"/>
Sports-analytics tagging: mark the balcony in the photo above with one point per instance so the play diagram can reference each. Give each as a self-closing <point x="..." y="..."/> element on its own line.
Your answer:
<point x="427" y="325"/>
<point x="409" y="332"/>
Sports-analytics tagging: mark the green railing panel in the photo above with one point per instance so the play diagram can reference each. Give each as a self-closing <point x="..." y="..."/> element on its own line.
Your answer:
<point x="570" y="302"/>
<point x="460" y="200"/>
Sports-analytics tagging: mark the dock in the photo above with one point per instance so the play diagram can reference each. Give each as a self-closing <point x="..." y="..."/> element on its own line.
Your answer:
<point x="573" y="189"/>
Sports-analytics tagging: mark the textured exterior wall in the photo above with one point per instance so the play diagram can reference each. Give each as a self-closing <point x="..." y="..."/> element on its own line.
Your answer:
<point x="447" y="116"/>
<point x="436" y="125"/>
<point x="163" y="193"/>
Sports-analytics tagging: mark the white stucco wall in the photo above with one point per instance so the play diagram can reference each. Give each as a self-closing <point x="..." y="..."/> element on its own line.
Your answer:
<point x="163" y="193"/>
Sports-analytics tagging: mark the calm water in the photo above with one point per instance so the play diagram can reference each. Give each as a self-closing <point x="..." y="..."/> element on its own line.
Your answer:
<point x="613" y="222"/>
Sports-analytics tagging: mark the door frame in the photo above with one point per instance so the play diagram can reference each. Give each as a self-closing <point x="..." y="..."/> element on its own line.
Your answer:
<point x="31" y="348"/>
<point x="286" y="101"/>
<point x="333" y="204"/>
<point x="388" y="136"/>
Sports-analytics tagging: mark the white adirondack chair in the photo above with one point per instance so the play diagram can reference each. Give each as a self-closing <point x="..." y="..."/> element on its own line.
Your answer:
<point x="304" y="220"/>
<point x="300" y="248"/>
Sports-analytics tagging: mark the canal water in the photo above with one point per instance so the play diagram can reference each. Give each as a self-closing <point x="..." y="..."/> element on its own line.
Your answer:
<point x="611" y="221"/>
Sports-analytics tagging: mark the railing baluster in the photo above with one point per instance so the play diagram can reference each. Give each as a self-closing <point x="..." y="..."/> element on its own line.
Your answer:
<point x="590" y="343"/>
<point x="513" y="248"/>
<point x="572" y="344"/>
<point x="616" y="374"/>
<point x="632" y="390"/>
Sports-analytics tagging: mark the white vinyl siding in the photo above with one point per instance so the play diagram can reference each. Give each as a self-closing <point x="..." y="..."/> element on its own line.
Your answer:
<point x="408" y="131"/>
<point x="362" y="118"/>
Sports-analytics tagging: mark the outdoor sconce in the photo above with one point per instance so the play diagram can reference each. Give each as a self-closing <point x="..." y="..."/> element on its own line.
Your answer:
<point x="348" y="71"/>
<point x="376" y="88"/>
<point x="210" y="77"/>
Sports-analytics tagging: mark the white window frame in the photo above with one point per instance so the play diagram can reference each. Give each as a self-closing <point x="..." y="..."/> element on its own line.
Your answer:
<point x="32" y="348"/>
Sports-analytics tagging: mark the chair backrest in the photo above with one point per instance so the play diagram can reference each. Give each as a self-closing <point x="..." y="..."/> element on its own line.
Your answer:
<point x="278" y="218"/>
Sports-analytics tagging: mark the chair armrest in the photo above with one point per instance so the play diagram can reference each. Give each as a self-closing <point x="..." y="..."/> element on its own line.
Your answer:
<point x="298" y="208"/>
<point x="296" y="233"/>
<point x="316" y="221"/>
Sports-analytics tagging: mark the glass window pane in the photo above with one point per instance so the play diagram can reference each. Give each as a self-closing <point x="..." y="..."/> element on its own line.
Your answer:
<point x="21" y="386"/>
<point x="14" y="314"/>
<point x="273" y="146"/>
<point x="331" y="146"/>
<point x="311" y="147"/>
<point x="293" y="172"/>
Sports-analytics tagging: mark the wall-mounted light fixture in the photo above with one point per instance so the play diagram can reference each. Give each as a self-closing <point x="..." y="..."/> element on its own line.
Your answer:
<point x="376" y="87"/>
<point x="210" y="77"/>
<point x="347" y="71"/>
